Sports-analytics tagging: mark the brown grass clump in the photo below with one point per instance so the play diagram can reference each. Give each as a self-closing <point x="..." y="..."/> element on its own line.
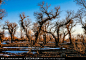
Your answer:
<point x="78" y="46"/>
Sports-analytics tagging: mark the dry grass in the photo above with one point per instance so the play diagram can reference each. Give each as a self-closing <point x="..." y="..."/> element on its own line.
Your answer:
<point x="78" y="45"/>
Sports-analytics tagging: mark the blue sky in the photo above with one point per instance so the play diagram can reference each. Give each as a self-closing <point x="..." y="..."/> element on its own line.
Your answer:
<point x="16" y="7"/>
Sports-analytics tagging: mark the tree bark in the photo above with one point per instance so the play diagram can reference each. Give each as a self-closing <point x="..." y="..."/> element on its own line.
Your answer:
<point x="11" y="38"/>
<point x="69" y="36"/>
<point x="58" y="34"/>
<point x="63" y="38"/>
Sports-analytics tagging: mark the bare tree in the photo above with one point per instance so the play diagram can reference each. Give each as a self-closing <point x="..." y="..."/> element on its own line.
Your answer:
<point x="21" y="33"/>
<point x="45" y="28"/>
<point x="11" y="28"/>
<point x="1" y="37"/>
<point x="58" y="25"/>
<point x="25" y="24"/>
<point x="73" y="17"/>
<point x="2" y="13"/>
<point x="81" y="2"/>
<point x="49" y="16"/>
<point x="63" y="32"/>
<point x="41" y="19"/>
<point x="82" y="19"/>
<point x="82" y="13"/>
<point x="68" y="22"/>
<point x="49" y="31"/>
<point x="83" y="22"/>
<point x="69" y="29"/>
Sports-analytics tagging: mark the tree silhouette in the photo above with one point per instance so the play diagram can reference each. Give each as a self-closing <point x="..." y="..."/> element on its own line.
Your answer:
<point x="41" y="19"/>
<point x="25" y="24"/>
<point x="1" y="37"/>
<point x="82" y="13"/>
<point x="21" y="33"/>
<point x="49" y="16"/>
<point x="57" y="29"/>
<point x="45" y="34"/>
<point x="2" y="13"/>
<point x="58" y="25"/>
<point x="81" y="2"/>
<point x="71" y="16"/>
<point x="11" y="28"/>
<point x="45" y="28"/>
